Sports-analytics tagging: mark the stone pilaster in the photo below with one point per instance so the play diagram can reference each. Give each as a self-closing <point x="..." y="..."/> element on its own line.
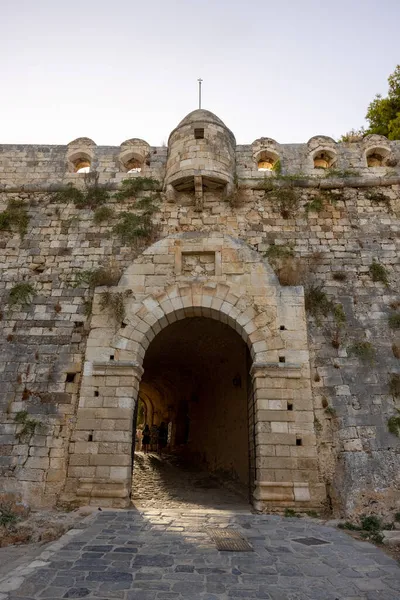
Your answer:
<point x="100" y="465"/>
<point x="285" y="443"/>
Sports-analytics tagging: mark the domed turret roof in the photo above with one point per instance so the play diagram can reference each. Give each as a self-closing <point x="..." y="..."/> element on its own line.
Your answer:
<point x="201" y="115"/>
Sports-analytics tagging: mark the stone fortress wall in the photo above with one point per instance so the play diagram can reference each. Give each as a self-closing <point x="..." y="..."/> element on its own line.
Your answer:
<point x="330" y="230"/>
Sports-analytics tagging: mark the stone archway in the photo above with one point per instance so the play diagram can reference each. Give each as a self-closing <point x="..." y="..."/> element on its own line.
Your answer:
<point x="217" y="277"/>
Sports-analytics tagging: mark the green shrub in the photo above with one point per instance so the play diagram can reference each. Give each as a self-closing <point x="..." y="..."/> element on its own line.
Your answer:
<point x="317" y="302"/>
<point x="132" y="228"/>
<point x="394" y="321"/>
<point x="289" y="512"/>
<point x="285" y="200"/>
<point x="93" y="196"/>
<point x="104" y="213"/>
<point x="378" y="198"/>
<point x="394" y="385"/>
<point x="339" y="315"/>
<point x="394" y="424"/>
<point x="7" y="516"/>
<point x="378" y="273"/>
<point x="103" y="276"/>
<point x="115" y="303"/>
<point x="315" y="205"/>
<point x="342" y="174"/>
<point x="363" y="350"/>
<point x="28" y="425"/>
<point x="68" y="193"/>
<point x="276" y="252"/>
<point x="370" y="523"/>
<point x="131" y="187"/>
<point x="277" y="167"/>
<point x="15" y="217"/>
<point x="312" y="513"/>
<point x="21" y="294"/>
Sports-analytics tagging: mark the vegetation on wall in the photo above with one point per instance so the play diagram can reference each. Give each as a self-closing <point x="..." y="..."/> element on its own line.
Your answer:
<point x="21" y="294"/>
<point x="378" y="273"/>
<point x="114" y="302"/>
<point x="378" y="198"/>
<point x="289" y="270"/>
<point x="341" y="174"/>
<point x="365" y="351"/>
<point x="284" y="200"/>
<point x="131" y="187"/>
<point x="319" y="201"/>
<point x="276" y="252"/>
<point x="102" y="276"/>
<point x="92" y="196"/>
<point x="394" y="321"/>
<point x="15" y="217"/>
<point x="354" y="135"/>
<point x="103" y="214"/>
<point x="315" y="205"/>
<point x="237" y="198"/>
<point x="394" y="424"/>
<point x="27" y="425"/>
<point x="394" y="385"/>
<point x="317" y="303"/>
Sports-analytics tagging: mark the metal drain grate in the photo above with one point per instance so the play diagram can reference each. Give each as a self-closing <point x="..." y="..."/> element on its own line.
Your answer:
<point x="229" y="540"/>
<point x="310" y="541"/>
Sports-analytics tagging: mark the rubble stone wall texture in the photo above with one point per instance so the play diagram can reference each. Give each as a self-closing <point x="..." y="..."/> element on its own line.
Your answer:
<point x="330" y="230"/>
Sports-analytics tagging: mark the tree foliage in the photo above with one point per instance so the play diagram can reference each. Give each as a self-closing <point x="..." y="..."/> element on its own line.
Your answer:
<point x="383" y="114"/>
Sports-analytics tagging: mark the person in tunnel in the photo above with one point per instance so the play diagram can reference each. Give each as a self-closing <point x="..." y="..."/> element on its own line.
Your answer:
<point x="146" y="439"/>
<point x="162" y="437"/>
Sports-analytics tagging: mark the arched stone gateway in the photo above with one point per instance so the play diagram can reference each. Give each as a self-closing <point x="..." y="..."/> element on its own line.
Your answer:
<point x="217" y="277"/>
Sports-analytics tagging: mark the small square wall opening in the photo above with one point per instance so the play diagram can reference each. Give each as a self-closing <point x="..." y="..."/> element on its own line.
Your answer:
<point x="96" y="393"/>
<point x="282" y="359"/>
<point x="90" y="437"/>
<point x="199" y="133"/>
<point x="299" y="442"/>
<point x="111" y="356"/>
<point x="282" y="328"/>
<point x="70" y="378"/>
<point x="289" y="406"/>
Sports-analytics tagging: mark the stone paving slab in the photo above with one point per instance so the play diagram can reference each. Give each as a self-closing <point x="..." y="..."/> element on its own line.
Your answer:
<point x="156" y="555"/>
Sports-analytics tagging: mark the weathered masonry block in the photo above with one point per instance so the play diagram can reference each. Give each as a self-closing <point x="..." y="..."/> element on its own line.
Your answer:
<point x="294" y="247"/>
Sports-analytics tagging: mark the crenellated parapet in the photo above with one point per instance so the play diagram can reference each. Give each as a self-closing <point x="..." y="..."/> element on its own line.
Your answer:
<point x="202" y="155"/>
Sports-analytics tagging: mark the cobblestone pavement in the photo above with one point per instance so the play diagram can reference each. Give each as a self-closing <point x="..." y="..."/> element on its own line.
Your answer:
<point x="171" y="482"/>
<point x="167" y="555"/>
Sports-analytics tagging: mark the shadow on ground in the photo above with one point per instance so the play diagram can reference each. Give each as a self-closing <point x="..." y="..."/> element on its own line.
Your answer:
<point x="171" y="481"/>
<point x="166" y="555"/>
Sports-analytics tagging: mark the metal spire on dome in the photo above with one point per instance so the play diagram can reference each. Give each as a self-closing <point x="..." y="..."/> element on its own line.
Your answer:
<point x="200" y="82"/>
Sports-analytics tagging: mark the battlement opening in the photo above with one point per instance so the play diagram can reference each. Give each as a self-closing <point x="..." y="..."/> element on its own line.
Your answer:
<point x="82" y="165"/>
<point x="133" y="166"/>
<point x="325" y="159"/>
<point x="80" y="162"/>
<point x="376" y="157"/>
<point x="266" y="160"/>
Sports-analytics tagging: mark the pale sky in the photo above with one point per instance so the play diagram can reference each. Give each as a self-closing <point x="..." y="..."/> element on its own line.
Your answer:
<point x="116" y="70"/>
